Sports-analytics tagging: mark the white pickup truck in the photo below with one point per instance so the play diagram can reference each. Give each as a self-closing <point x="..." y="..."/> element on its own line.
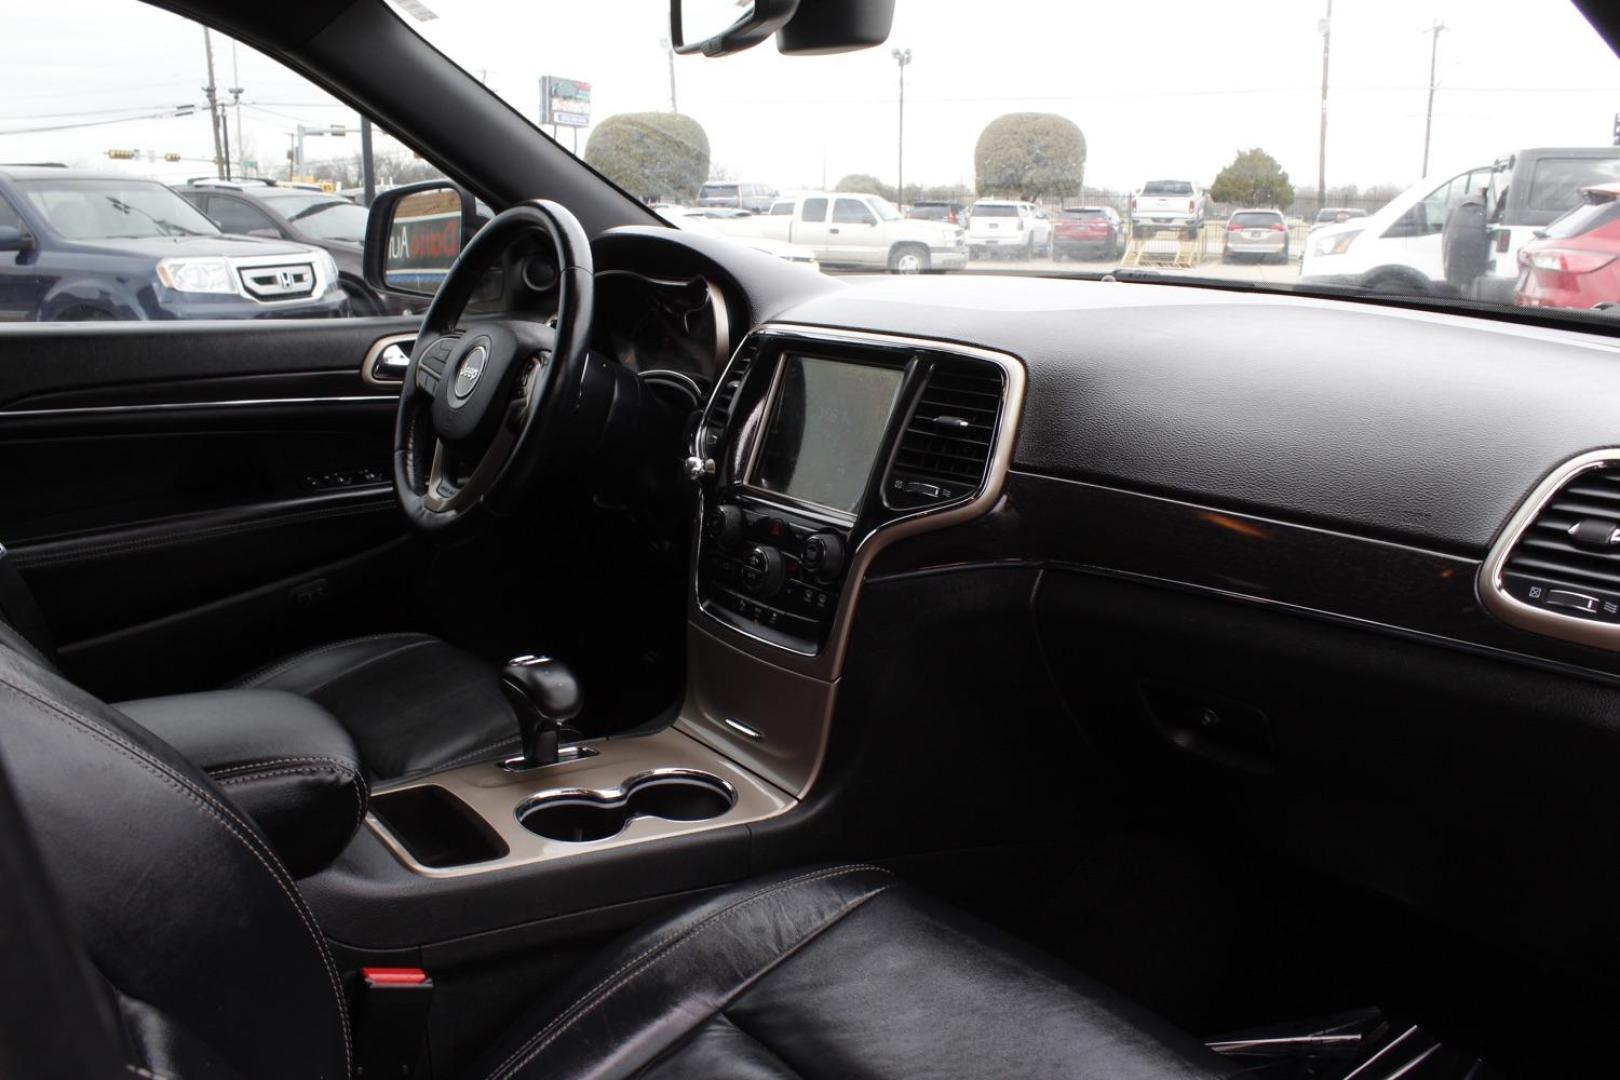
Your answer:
<point x="849" y="229"/>
<point x="1165" y="204"/>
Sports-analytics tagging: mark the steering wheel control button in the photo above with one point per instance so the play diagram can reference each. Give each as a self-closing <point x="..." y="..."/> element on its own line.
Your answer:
<point x="468" y="372"/>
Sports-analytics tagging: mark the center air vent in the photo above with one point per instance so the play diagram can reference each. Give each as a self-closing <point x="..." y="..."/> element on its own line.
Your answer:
<point x="1557" y="567"/>
<point x="725" y="395"/>
<point x="945" y="449"/>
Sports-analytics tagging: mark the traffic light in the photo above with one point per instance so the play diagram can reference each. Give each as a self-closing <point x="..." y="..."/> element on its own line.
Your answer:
<point x="122" y="155"/>
<point x="171" y="157"/>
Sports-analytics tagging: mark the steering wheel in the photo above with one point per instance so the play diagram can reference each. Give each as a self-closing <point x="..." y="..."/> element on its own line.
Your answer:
<point x="487" y="402"/>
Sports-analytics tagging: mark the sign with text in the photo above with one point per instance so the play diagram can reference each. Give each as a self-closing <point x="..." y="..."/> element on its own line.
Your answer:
<point x="565" y="102"/>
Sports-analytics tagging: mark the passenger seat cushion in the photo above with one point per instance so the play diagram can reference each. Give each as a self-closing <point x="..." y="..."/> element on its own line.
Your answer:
<point x="282" y="758"/>
<point x="840" y="971"/>
<point x="411" y="702"/>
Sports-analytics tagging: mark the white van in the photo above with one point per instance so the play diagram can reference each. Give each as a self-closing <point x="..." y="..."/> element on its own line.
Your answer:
<point x="1398" y="249"/>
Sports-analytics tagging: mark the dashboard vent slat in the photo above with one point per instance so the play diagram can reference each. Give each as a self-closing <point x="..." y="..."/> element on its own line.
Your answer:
<point x="945" y="448"/>
<point x="718" y="416"/>
<point x="1546" y="552"/>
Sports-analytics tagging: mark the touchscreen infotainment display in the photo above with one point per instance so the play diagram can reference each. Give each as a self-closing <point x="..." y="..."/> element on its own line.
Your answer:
<point x="825" y="430"/>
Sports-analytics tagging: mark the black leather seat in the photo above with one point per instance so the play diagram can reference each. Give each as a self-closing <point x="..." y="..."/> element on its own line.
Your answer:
<point x="215" y="966"/>
<point x="411" y="702"/>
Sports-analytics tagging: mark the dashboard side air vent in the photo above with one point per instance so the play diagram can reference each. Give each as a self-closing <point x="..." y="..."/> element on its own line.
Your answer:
<point x="944" y="451"/>
<point x="1556" y="568"/>
<point x="725" y="395"/>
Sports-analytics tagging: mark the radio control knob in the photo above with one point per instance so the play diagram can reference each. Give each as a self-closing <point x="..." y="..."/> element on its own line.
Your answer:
<point x="724" y="527"/>
<point x="824" y="555"/>
<point x="763" y="570"/>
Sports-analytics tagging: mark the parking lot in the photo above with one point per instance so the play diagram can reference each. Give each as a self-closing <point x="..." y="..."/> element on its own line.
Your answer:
<point x="1211" y="267"/>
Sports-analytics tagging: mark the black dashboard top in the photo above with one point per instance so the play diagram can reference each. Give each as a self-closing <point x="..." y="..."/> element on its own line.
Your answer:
<point x="1375" y="420"/>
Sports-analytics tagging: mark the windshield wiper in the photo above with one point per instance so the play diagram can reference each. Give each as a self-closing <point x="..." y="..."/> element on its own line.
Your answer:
<point x="166" y="227"/>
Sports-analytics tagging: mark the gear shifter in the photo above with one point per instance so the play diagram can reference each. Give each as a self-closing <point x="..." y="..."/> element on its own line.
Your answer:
<point x="545" y="695"/>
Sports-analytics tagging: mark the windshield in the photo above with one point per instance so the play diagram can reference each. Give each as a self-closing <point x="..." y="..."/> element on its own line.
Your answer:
<point x="322" y="216"/>
<point x="1160" y="114"/>
<point x="114" y="209"/>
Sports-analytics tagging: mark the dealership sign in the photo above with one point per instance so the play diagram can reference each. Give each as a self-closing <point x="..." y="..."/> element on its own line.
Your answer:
<point x="565" y="102"/>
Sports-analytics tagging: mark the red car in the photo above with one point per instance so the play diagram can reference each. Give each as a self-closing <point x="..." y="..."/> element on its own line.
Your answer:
<point x="1093" y="230"/>
<point x="1576" y="261"/>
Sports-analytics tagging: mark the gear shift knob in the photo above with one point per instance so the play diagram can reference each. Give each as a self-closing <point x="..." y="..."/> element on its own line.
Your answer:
<point x="544" y="694"/>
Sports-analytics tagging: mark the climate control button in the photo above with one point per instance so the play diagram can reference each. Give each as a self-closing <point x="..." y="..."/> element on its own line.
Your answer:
<point x="763" y="570"/>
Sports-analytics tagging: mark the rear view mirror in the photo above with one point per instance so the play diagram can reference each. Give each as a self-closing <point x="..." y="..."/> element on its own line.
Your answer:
<point x="414" y="234"/>
<point x="718" y="27"/>
<point x="14" y="239"/>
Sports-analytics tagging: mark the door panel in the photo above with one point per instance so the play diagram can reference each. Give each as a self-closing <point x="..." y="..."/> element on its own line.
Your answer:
<point x="188" y="501"/>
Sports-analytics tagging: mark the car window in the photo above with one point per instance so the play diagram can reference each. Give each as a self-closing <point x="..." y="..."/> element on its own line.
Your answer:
<point x="814" y="210"/>
<point x="1255" y="219"/>
<point x="1167" y="187"/>
<point x="1555" y="183"/>
<point x="321" y="217"/>
<point x="237" y="215"/>
<point x="994" y="210"/>
<point x="1594" y="214"/>
<point x="9" y="218"/>
<point x="113" y="95"/>
<point x="783" y="208"/>
<point x="853" y="212"/>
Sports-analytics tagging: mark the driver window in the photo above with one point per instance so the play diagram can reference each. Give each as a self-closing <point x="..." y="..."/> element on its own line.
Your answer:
<point x="151" y="162"/>
<point x="814" y="210"/>
<point x="853" y="212"/>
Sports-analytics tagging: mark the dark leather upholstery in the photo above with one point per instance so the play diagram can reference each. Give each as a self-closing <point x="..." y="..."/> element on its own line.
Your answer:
<point x="410" y="701"/>
<point x="841" y="972"/>
<point x="280" y="757"/>
<point x="181" y="903"/>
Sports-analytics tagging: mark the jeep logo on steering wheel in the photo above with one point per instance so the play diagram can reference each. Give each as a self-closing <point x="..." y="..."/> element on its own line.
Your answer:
<point x="472" y="366"/>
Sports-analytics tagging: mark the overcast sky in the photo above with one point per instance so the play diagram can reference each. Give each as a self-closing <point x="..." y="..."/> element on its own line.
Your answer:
<point x="1170" y="88"/>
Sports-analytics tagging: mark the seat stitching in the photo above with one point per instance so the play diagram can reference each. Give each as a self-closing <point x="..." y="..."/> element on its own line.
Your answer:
<point x="356" y="781"/>
<point x="270" y="671"/>
<point x="223" y="816"/>
<point x="583" y="1004"/>
<point x="469" y="755"/>
<point x="248" y="766"/>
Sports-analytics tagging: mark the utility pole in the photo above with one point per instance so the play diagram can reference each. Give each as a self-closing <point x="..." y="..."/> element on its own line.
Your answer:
<point x="669" y="51"/>
<point x="221" y="169"/>
<point x="236" y="99"/>
<point x="368" y="169"/>
<point x="902" y="57"/>
<point x="1326" y="29"/>
<point x="1428" y="117"/>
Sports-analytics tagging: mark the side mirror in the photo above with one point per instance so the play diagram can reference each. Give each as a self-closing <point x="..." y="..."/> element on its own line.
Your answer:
<point x="719" y="27"/>
<point x="15" y="239"/>
<point x="414" y="233"/>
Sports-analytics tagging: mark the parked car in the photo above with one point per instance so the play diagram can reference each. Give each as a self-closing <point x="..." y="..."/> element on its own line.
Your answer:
<point x="997" y="226"/>
<point x="851" y="229"/>
<point x="1087" y="230"/>
<point x="1336" y="215"/>
<point x="1401" y="247"/>
<point x="1161" y="204"/>
<point x="696" y="219"/>
<point x="1259" y="233"/>
<point x="1576" y="263"/>
<point x="301" y="213"/>
<point x="952" y="213"/>
<point x="81" y="245"/>
<point x="737" y="194"/>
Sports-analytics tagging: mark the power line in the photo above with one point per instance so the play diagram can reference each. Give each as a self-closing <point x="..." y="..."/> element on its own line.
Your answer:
<point x="184" y="110"/>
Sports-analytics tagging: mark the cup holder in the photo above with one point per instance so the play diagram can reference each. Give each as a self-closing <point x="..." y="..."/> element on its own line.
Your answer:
<point x="579" y="816"/>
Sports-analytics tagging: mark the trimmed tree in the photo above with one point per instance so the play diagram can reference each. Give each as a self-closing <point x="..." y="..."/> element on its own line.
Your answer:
<point x="1028" y="155"/>
<point x="1254" y="178"/>
<point x="653" y="156"/>
<point x="865" y="184"/>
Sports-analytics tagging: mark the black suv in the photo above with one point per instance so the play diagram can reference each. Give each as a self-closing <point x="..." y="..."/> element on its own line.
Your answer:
<point x="290" y="212"/>
<point x="80" y="245"/>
